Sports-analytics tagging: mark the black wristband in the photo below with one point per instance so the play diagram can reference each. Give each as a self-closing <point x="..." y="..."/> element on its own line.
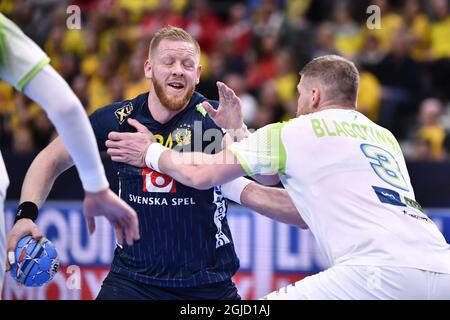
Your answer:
<point x="27" y="210"/>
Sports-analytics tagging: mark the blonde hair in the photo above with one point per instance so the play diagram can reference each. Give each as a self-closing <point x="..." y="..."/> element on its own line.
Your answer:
<point x="338" y="74"/>
<point x="174" y="34"/>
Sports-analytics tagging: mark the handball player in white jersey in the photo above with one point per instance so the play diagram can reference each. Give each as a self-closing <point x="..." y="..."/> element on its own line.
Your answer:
<point x="25" y="66"/>
<point x="348" y="179"/>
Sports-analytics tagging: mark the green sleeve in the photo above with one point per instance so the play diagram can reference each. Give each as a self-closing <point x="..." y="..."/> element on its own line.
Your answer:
<point x="262" y="152"/>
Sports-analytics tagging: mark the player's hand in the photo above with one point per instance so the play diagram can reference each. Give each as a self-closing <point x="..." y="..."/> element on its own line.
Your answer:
<point x="130" y="147"/>
<point x="21" y="228"/>
<point x="122" y="217"/>
<point x="229" y="113"/>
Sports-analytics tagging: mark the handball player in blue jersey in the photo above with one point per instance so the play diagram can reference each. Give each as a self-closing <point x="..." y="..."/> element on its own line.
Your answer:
<point x="186" y="249"/>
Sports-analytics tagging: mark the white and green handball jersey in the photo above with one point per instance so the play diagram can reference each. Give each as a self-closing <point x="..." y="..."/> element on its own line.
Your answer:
<point x="349" y="181"/>
<point x="20" y="57"/>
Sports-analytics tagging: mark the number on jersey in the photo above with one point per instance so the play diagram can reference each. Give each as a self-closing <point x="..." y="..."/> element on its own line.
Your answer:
<point x="385" y="166"/>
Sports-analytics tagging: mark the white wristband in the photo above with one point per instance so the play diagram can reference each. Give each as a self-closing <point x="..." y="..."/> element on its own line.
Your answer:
<point x="233" y="189"/>
<point x="154" y="152"/>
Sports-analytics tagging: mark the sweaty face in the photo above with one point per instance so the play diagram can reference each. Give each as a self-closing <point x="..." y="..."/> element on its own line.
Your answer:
<point x="175" y="72"/>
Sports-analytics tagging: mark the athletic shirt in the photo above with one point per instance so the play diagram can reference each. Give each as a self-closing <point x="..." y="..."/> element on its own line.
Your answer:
<point x="20" y="58"/>
<point x="348" y="179"/>
<point x="185" y="239"/>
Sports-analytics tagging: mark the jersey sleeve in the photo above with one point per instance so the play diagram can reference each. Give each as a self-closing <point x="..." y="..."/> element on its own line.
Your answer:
<point x="20" y="58"/>
<point x="262" y="152"/>
<point x="104" y="121"/>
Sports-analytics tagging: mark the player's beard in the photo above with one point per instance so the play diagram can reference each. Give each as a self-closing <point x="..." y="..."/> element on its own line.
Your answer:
<point x="173" y="103"/>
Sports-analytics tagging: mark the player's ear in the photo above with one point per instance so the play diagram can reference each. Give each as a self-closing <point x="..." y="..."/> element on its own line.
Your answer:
<point x="148" y="69"/>
<point x="315" y="97"/>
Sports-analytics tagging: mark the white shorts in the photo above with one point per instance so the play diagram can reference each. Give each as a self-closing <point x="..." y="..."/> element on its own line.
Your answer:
<point x="367" y="283"/>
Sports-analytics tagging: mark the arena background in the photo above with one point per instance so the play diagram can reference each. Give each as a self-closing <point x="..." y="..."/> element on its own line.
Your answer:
<point x="257" y="47"/>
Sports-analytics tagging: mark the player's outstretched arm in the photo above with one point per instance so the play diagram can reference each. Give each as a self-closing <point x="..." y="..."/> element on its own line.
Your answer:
<point x="211" y="171"/>
<point x="274" y="203"/>
<point x="46" y="167"/>
<point x="260" y="153"/>
<point x="194" y="169"/>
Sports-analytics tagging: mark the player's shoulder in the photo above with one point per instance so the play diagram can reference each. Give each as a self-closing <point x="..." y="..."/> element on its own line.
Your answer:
<point x="296" y="123"/>
<point x="119" y="111"/>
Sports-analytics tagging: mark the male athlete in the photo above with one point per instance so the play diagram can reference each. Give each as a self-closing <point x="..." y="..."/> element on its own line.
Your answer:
<point x="186" y="249"/>
<point x="25" y="66"/>
<point x="348" y="179"/>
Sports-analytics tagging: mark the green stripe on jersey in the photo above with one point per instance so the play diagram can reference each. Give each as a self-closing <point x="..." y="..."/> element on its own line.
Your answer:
<point x="241" y="160"/>
<point x="32" y="73"/>
<point x="280" y="147"/>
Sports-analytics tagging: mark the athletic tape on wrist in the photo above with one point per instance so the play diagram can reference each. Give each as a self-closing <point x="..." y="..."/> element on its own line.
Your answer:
<point x="232" y="190"/>
<point x="153" y="154"/>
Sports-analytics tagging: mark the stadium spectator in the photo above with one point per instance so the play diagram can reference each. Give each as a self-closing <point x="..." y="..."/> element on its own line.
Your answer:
<point x="401" y="78"/>
<point x="440" y="48"/>
<point x="348" y="35"/>
<point x="431" y="134"/>
<point x="417" y="26"/>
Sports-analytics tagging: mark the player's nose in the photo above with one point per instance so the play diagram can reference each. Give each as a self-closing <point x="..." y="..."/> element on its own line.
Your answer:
<point x="177" y="69"/>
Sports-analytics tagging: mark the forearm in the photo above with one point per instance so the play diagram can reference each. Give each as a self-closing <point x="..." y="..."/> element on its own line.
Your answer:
<point x="268" y="180"/>
<point x="208" y="170"/>
<point x="187" y="169"/>
<point x="41" y="175"/>
<point x="67" y="114"/>
<point x="274" y="203"/>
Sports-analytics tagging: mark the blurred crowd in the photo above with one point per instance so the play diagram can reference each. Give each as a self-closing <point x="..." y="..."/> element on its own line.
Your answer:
<point x="257" y="47"/>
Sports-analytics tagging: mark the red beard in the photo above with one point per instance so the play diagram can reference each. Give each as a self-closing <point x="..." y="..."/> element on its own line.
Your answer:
<point x="172" y="103"/>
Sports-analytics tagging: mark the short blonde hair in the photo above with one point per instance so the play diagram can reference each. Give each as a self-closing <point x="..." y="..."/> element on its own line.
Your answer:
<point x="338" y="74"/>
<point x="174" y="34"/>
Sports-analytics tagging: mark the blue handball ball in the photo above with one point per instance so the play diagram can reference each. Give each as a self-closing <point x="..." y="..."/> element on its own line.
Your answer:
<point x="36" y="262"/>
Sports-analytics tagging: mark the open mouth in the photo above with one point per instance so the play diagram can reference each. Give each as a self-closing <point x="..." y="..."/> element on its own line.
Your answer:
<point x="176" y="85"/>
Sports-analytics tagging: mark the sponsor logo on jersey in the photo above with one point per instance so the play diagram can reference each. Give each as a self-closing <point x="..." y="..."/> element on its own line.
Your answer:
<point x="394" y="198"/>
<point x="154" y="181"/>
<point x="388" y="196"/>
<point x="123" y="112"/>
